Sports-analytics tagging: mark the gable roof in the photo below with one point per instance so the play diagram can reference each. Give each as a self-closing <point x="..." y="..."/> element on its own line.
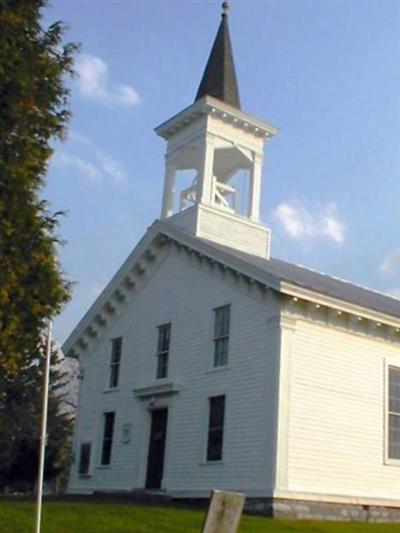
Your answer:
<point x="323" y="283"/>
<point x="274" y="272"/>
<point x="279" y="275"/>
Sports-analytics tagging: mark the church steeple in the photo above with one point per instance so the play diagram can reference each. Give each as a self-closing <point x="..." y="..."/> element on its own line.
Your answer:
<point x="219" y="78"/>
<point x="213" y="162"/>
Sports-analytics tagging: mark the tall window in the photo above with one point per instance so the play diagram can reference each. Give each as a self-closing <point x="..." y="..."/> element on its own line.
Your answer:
<point x="394" y="413"/>
<point x="164" y="335"/>
<point x="107" y="438"/>
<point x="221" y="335"/>
<point x="116" y="350"/>
<point x="216" y="428"/>
<point x="84" y="458"/>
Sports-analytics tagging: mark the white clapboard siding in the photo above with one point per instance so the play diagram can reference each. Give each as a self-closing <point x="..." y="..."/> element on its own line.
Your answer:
<point x="337" y="414"/>
<point x="184" y="291"/>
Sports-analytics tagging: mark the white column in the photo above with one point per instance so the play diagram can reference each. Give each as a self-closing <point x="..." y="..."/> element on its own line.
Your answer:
<point x="204" y="191"/>
<point x="169" y="190"/>
<point x="255" y="188"/>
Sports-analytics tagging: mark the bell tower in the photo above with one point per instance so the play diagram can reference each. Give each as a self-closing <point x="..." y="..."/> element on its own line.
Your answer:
<point x="214" y="157"/>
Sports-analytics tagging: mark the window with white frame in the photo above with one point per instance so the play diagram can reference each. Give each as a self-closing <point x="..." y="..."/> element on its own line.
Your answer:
<point x="108" y="433"/>
<point x="393" y="450"/>
<point x="116" y="351"/>
<point x="215" y="428"/>
<point x="84" y="459"/>
<point x="164" y="337"/>
<point x="221" y="334"/>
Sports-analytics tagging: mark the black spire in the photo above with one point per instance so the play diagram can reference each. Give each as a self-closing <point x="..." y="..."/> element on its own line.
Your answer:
<point x="219" y="78"/>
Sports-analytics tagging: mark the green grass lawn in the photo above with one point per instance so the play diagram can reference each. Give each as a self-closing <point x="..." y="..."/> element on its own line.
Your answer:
<point x="102" y="517"/>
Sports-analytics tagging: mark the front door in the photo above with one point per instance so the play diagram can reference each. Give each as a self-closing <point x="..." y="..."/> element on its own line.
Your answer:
<point x="155" y="460"/>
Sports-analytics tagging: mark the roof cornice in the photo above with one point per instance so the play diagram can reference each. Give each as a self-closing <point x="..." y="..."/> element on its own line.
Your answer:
<point x="225" y="112"/>
<point x="301" y="293"/>
<point x="135" y="271"/>
<point x="131" y="272"/>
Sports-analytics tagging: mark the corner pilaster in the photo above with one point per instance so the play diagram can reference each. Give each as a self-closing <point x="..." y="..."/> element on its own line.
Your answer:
<point x="287" y="326"/>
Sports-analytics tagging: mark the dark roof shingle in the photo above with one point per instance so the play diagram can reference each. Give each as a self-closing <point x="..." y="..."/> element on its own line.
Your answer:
<point x="322" y="283"/>
<point x="275" y="271"/>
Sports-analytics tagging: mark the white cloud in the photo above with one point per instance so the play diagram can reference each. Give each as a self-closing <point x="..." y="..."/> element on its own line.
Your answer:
<point x="103" y="168"/>
<point x="111" y="168"/>
<point x="391" y="263"/>
<point x="300" y="223"/>
<point x="96" y="166"/>
<point x="92" y="72"/>
<point x="127" y="95"/>
<point x="93" y="82"/>
<point x="79" y="138"/>
<point x="294" y="220"/>
<point x="86" y="169"/>
<point x="333" y="228"/>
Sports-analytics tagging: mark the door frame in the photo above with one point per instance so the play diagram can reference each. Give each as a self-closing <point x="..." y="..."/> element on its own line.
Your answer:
<point x="150" y="412"/>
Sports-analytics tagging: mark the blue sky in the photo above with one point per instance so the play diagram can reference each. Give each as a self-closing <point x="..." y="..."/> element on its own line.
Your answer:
<point x="325" y="73"/>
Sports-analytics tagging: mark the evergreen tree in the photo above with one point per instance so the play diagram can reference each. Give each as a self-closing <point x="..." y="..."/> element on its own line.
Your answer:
<point x="33" y="112"/>
<point x="20" y="416"/>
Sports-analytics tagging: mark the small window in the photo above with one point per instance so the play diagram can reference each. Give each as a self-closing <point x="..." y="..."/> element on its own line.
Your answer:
<point x="164" y="335"/>
<point x="221" y="335"/>
<point x="84" y="459"/>
<point x="394" y="413"/>
<point x="116" y="350"/>
<point x="216" y="428"/>
<point x="107" y="438"/>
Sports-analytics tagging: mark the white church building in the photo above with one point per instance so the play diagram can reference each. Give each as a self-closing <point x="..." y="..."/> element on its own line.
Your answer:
<point x="207" y="363"/>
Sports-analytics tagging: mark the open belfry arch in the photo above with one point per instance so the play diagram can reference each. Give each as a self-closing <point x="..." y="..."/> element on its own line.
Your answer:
<point x="218" y="149"/>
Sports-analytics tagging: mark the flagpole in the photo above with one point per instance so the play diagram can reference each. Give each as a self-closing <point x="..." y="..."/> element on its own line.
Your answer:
<point x="43" y="434"/>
